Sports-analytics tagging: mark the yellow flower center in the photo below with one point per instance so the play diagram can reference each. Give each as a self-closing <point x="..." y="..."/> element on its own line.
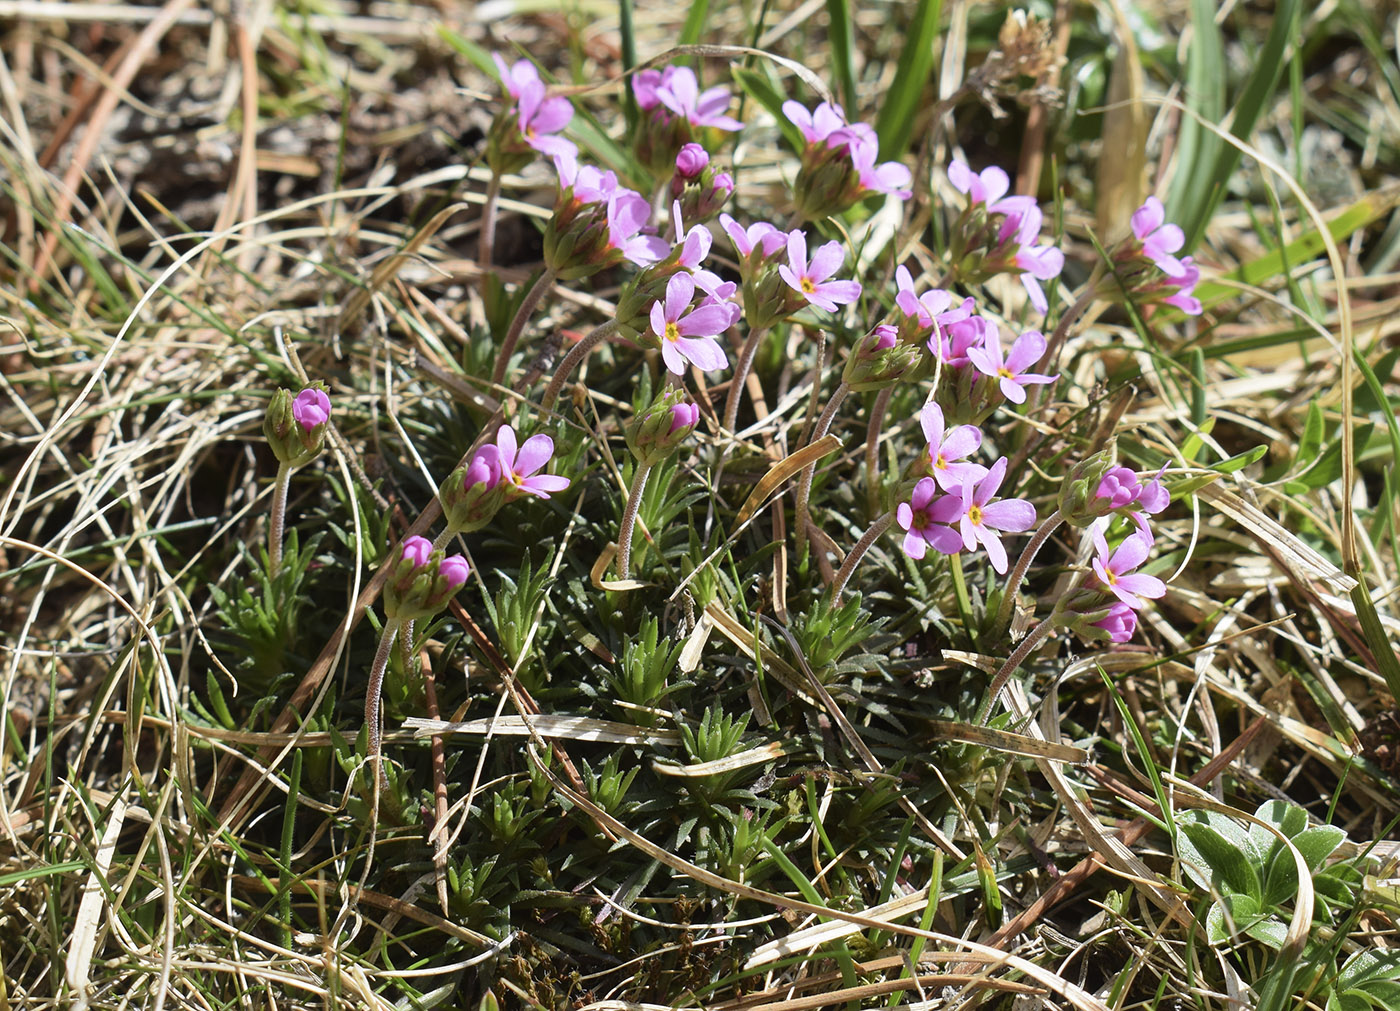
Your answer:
<point x="939" y="463"/>
<point x="1005" y="373"/>
<point x="807" y="286"/>
<point x="673" y="332"/>
<point x="974" y="513"/>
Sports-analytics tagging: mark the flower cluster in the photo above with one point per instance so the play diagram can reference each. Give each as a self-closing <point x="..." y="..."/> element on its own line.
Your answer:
<point x="597" y="223"/>
<point x="997" y="233"/>
<point x="1147" y="267"/>
<point x="498" y="472"/>
<point x="676" y="113"/>
<point x="838" y="162"/>
<point x="422" y="581"/>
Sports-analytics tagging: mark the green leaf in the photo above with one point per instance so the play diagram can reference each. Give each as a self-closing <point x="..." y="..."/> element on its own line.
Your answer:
<point x="1367" y="965"/>
<point x="895" y="123"/>
<point x="1227" y="861"/>
<point x="1204" y="95"/>
<point x="1310" y="442"/>
<point x="756" y="86"/>
<point x="1268" y="930"/>
<point x="1232" y="914"/>
<point x="1318" y="843"/>
<point x="694" y="22"/>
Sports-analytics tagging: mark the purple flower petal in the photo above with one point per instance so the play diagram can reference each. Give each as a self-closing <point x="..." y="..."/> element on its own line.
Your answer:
<point x="533" y="455"/>
<point x="1025" y="352"/>
<point x="505" y="442"/>
<point x="826" y="261"/>
<point x="680" y="289"/>
<point x="706" y="321"/>
<point x="1010" y="514"/>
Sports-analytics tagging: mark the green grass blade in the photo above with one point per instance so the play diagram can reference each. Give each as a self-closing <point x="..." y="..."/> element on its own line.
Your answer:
<point x="1197" y="147"/>
<point x="842" y="37"/>
<point x="629" y="58"/>
<point x="694" y="22"/>
<point x="895" y="123"/>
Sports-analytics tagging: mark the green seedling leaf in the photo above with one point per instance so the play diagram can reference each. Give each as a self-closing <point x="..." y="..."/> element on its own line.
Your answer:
<point x="1318" y="843"/>
<point x="1268" y="930"/>
<point x="1310" y="443"/>
<point x="1232" y="914"/>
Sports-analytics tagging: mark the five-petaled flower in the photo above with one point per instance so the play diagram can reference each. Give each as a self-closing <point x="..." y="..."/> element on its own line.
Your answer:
<point x="1159" y="239"/>
<point x="690" y="336"/>
<point x="311" y="407"/>
<point x="1115" y="569"/>
<point x="810" y="278"/>
<point x="1010" y="371"/>
<point x="919" y="518"/>
<point x="518" y="467"/>
<point x="979" y="518"/>
<point x="946" y="449"/>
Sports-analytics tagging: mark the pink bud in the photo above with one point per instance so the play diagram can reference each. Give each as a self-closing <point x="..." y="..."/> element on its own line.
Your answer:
<point x="485" y="468"/>
<point x="454" y="569"/>
<point x="684" y="415"/>
<point x="417" y="550"/>
<point x="311" y="408"/>
<point x="724" y="184"/>
<point x="691" y="161"/>
<point x="1120" y="623"/>
<point x="885" y="337"/>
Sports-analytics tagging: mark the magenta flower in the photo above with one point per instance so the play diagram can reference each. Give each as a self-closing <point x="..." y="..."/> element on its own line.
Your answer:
<point x="691" y="161"/>
<point x="627" y="215"/>
<point x="644" y="85"/>
<point x="417" y="550"/>
<point x="689" y="336"/>
<point x="1120" y="622"/>
<point x="810" y="279"/>
<point x="887" y="177"/>
<point x="310" y="408"/>
<point x="979" y="518"/>
<point x="485" y="468"/>
<point x="1185" y="284"/>
<point x="986" y="187"/>
<point x="918" y="518"/>
<point x="684" y="415"/>
<point x="1010" y="371"/>
<point x="1121" y="488"/>
<point x="1115" y="571"/>
<point x="680" y="92"/>
<point x="541" y="117"/>
<point x="947" y="448"/>
<point x="455" y="570"/>
<point x="1159" y="239"/>
<point x="518" y="468"/>
<point x="818" y="125"/>
<point x="1039" y="263"/>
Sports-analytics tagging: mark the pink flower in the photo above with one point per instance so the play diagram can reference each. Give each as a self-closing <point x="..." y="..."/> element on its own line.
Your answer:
<point x="1120" y="622"/>
<point x="917" y="518"/>
<point x="691" y="161"/>
<point x="818" y="125"/>
<point x="518" y="468"/>
<point x="627" y="215"/>
<point x="679" y="91"/>
<point x="517" y="76"/>
<point x="417" y="550"/>
<point x="696" y="244"/>
<point x="810" y="279"/>
<point x="979" y="518"/>
<point x="689" y="336"/>
<point x="1040" y="263"/>
<point x="986" y="187"/>
<point x="1010" y="371"/>
<point x="455" y="570"/>
<point x="1159" y="240"/>
<point x="644" y="85"/>
<point x="945" y="449"/>
<point x="1115" y="571"/>
<point x="766" y="238"/>
<point x="1185" y="283"/>
<point x="887" y="177"/>
<point x="541" y="117"/>
<point x="310" y="408"/>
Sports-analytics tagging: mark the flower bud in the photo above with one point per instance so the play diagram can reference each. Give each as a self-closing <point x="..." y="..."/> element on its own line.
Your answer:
<point x="295" y="428"/>
<point x="1096" y="619"/>
<point x="422" y="581"/>
<point x="691" y="161"/>
<point x="880" y="360"/>
<point x="506" y="149"/>
<point x="472" y="494"/>
<point x="827" y="183"/>
<point x="1079" y="500"/>
<point x="654" y="433"/>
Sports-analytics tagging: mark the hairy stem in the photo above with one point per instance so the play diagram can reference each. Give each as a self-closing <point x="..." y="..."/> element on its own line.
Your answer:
<point x="1023" y="650"/>
<point x="278" y="518"/>
<point x="629" y="520"/>
<point x="517" y="325"/>
<point x="872" y="535"/>
<point x="804" y="488"/>
<point x="1018" y="571"/>
<point x="487" y="238"/>
<point x="741" y="374"/>
<point x="372" y="692"/>
<point x="872" y="447"/>
<point x="572" y="361"/>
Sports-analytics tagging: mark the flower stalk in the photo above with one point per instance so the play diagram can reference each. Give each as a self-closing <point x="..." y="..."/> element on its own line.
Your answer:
<point x="372" y="698"/>
<point x="523" y="315"/>
<point x="572" y="361"/>
<point x="742" y="366"/>
<point x="804" y="487"/>
<point x="843" y="576"/>
<point x="1023" y="563"/>
<point x="1023" y="649"/>
<point x="278" y="519"/>
<point x="629" y="519"/>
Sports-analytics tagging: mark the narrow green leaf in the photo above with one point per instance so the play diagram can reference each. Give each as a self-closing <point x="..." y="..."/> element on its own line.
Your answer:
<point x="694" y="22"/>
<point x="895" y="123"/>
<point x="1310" y="443"/>
<point x="842" y="37"/>
<point x="1205" y="96"/>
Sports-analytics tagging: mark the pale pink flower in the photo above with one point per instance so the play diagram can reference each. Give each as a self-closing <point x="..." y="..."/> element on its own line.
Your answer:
<point x="986" y="187"/>
<point x="818" y="125"/>
<point x="1115" y="570"/>
<point x="689" y="336"/>
<point x="759" y="235"/>
<point x="1159" y="239"/>
<point x="679" y="91"/>
<point x="1010" y="371"/>
<point x="1120" y="622"/>
<point x="810" y="279"/>
<point x="946" y="449"/>
<point x="691" y="160"/>
<point x="518" y="467"/>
